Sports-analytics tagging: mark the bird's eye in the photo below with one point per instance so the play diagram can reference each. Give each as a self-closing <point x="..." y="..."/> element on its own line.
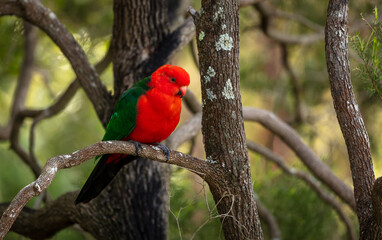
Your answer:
<point x="173" y="80"/>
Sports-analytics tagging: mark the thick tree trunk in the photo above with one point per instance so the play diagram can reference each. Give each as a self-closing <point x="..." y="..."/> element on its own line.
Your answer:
<point x="350" y="119"/>
<point x="139" y="27"/>
<point x="222" y="124"/>
<point x="135" y="204"/>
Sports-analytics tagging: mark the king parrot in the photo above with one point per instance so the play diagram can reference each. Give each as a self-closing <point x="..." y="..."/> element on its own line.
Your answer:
<point x="148" y="113"/>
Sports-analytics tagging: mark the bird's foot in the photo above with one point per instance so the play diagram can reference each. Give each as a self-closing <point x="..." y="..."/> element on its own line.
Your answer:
<point x="165" y="150"/>
<point x="137" y="145"/>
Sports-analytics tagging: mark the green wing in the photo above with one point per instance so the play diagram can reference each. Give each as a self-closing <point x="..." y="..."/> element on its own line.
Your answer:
<point x="122" y="122"/>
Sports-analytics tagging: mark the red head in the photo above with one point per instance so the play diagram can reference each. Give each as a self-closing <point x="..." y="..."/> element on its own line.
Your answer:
<point x="170" y="79"/>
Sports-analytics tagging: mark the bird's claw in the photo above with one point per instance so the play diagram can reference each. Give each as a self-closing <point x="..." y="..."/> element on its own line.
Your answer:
<point x="137" y="145"/>
<point x="165" y="150"/>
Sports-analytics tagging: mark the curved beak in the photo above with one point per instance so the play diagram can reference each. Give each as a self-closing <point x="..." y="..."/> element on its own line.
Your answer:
<point x="182" y="91"/>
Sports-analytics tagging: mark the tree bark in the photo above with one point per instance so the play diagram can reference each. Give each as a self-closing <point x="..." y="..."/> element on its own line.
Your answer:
<point x="349" y="117"/>
<point x="134" y="205"/>
<point x="217" y="32"/>
<point x="136" y="202"/>
<point x="138" y="29"/>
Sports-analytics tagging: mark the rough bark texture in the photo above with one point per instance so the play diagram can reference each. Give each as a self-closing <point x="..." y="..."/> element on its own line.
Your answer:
<point x="376" y="233"/>
<point x="349" y="116"/>
<point x="139" y="27"/>
<point x="136" y="202"/>
<point x="217" y="32"/>
<point x="134" y="205"/>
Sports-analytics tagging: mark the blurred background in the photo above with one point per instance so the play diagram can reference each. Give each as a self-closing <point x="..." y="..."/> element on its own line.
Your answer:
<point x="286" y="77"/>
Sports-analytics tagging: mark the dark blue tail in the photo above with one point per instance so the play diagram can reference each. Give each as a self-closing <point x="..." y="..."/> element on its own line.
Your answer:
<point x="102" y="175"/>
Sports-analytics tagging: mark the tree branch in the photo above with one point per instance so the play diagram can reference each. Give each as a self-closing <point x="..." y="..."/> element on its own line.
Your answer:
<point x="185" y="132"/>
<point x="268" y="13"/>
<point x="19" y="150"/>
<point x="37" y="14"/>
<point x="292" y="139"/>
<point x="192" y="102"/>
<point x="267" y="217"/>
<point x="296" y="85"/>
<point x="377" y="202"/>
<point x="41" y="114"/>
<point x="191" y="127"/>
<point x="45" y="222"/>
<point x="24" y="79"/>
<point x="68" y="94"/>
<point x="308" y="157"/>
<point x="61" y="103"/>
<point x="170" y="45"/>
<point x="313" y="183"/>
<point x="62" y="212"/>
<point x="198" y="166"/>
<point x="217" y="30"/>
<point x="347" y="110"/>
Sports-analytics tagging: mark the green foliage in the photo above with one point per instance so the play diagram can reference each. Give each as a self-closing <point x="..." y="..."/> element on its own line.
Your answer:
<point x="193" y="215"/>
<point x="300" y="213"/>
<point x="93" y="17"/>
<point x="369" y="49"/>
<point x="16" y="176"/>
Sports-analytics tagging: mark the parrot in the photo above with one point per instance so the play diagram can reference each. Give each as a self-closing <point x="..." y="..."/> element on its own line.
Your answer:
<point x="146" y="113"/>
